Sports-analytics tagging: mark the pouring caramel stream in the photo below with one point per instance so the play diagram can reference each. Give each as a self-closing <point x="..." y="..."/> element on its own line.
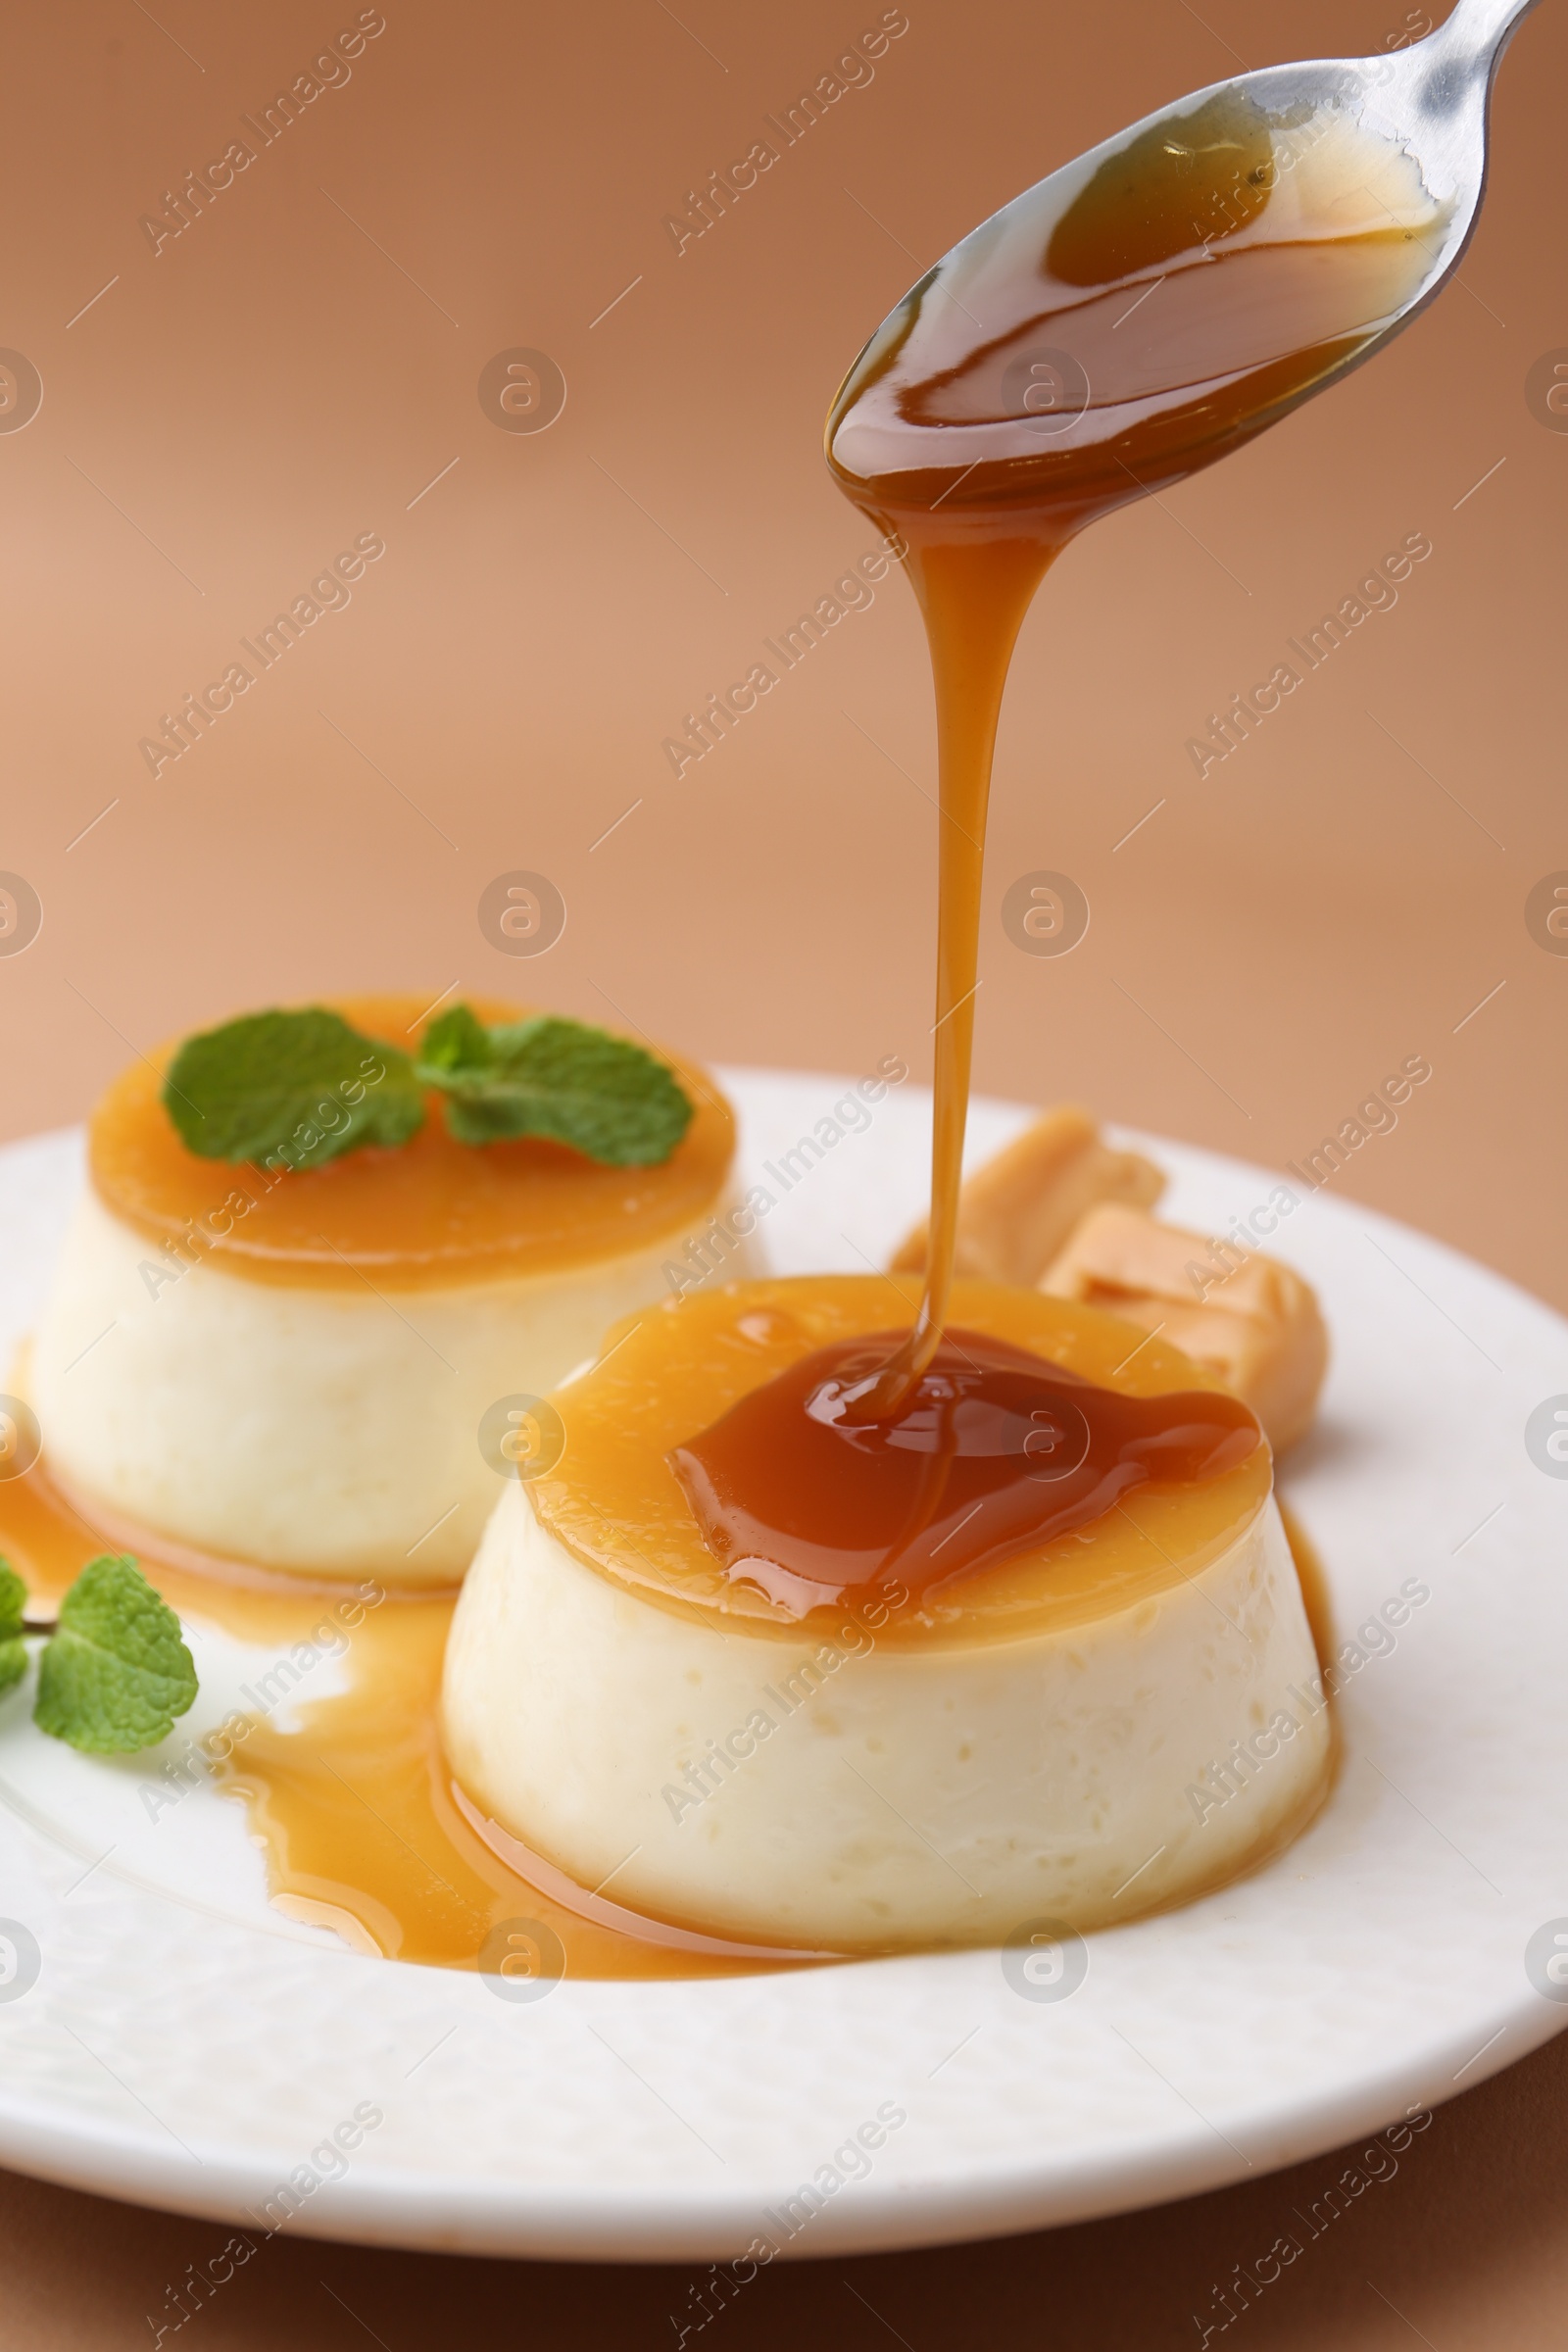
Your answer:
<point x="1117" y="329"/>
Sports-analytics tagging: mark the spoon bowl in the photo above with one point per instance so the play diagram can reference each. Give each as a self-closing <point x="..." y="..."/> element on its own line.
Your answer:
<point x="1166" y="296"/>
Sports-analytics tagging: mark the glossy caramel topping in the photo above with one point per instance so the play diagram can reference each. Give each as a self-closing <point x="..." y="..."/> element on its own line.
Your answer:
<point x="434" y="1213"/>
<point x="618" y="1502"/>
<point x="806" y="1491"/>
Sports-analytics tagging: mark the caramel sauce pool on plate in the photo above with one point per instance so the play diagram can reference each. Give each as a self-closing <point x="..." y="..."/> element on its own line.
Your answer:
<point x="355" y="1810"/>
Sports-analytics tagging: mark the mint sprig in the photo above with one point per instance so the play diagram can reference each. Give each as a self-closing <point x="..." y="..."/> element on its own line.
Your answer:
<point x="575" y="1085"/>
<point x="114" y="1673"/>
<point x="295" y="1090"/>
<point x="291" y="1089"/>
<point x="13" y="1608"/>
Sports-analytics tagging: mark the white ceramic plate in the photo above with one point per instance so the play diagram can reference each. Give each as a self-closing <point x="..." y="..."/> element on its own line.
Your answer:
<point x="185" y="2046"/>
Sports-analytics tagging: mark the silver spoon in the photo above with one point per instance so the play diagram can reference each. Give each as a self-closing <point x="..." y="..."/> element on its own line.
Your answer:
<point x="1026" y="351"/>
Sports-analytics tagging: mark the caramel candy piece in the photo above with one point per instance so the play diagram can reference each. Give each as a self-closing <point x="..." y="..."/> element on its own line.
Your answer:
<point x="1016" y="1212"/>
<point x="1257" y="1327"/>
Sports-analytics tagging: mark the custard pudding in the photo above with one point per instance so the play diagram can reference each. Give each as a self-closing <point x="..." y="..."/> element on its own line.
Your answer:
<point x="290" y="1365"/>
<point x="826" y="1740"/>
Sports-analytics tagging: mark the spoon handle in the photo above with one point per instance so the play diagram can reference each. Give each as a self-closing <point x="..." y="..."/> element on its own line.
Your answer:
<point x="1477" y="28"/>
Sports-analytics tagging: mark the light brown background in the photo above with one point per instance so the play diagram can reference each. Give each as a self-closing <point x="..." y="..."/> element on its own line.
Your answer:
<point x="302" y="361"/>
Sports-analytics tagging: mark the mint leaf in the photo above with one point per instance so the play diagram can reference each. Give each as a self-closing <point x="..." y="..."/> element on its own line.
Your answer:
<point x="114" y="1673"/>
<point x="459" y="1041"/>
<point x="562" y="1079"/>
<point x="296" y="1088"/>
<point x="13" y="1606"/>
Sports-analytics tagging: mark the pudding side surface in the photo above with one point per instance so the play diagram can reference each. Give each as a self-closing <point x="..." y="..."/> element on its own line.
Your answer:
<point x="314" y="1430"/>
<point x="828" y="1793"/>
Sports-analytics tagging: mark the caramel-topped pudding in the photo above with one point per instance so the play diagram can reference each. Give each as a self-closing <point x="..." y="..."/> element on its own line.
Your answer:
<point x="870" y="1726"/>
<point x="290" y="1365"/>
